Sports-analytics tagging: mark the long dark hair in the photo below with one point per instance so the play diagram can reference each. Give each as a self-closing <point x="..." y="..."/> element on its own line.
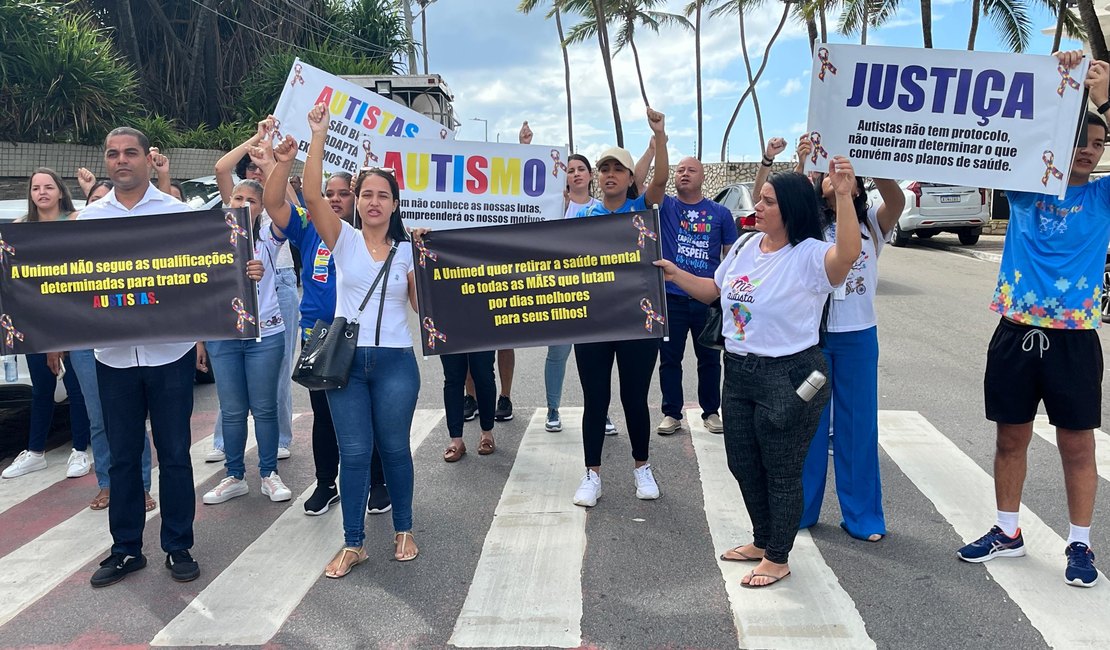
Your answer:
<point x="797" y="205"/>
<point x="828" y="212"/>
<point x="99" y="184"/>
<point x="589" y="168"/>
<point x="65" y="200"/>
<point x="396" y="230"/>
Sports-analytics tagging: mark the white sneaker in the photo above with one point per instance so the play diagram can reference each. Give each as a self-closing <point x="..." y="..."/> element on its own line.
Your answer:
<point x="225" y="490"/>
<point x="668" y="426"/>
<point x="646" y="487"/>
<point x="214" y="456"/>
<point x="78" y="464"/>
<point x="273" y="487"/>
<point x="610" y="428"/>
<point x="283" y="453"/>
<point x="589" y="490"/>
<point x="554" y="423"/>
<point x="713" y="424"/>
<point x="25" y="463"/>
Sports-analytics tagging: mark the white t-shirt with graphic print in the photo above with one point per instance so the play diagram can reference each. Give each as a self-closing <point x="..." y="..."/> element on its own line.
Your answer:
<point x="355" y="272"/>
<point x="852" y="307"/>
<point x="772" y="302"/>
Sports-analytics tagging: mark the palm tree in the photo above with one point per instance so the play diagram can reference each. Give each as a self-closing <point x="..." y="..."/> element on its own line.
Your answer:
<point x="927" y="23"/>
<point x="695" y="8"/>
<point x="1011" y="20"/>
<point x="594" y="12"/>
<point x="1095" y="37"/>
<point x="527" y="6"/>
<point x="861" y="14"/>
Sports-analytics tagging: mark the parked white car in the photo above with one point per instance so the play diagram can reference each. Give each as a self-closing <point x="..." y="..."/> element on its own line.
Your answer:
<point x="932" y="208"/>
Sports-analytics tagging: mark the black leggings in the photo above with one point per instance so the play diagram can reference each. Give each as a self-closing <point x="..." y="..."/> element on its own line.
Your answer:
<point x="455" y="366"/>
<point x="635" y="367"/>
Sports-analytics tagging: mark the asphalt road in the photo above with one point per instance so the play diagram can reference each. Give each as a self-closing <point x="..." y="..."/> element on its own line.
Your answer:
<point x="507" y="561"/>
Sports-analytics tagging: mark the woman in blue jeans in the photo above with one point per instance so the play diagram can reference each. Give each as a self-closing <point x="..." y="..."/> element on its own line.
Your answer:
<point x="247" y="373"/>
<point x="375" y="287"/>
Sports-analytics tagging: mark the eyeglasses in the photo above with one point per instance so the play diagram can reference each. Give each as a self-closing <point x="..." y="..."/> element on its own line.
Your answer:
<point x="251" y="167"/>
<point x="384" y="170"/>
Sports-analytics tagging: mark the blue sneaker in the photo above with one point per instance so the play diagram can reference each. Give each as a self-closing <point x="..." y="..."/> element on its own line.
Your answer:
<point x="994" y="544"/>
<point x="1081" y="570"/>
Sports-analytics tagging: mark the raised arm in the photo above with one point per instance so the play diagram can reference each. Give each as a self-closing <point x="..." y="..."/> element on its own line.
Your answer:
<point x="328" y="224"/>
<point x="86" y="180"/>
<point x="273" y="195"/>
<point x="840" y="258"/>
<point x="161" y="169"/>
<point x="775" y="146"/>
<point x="804" y="149"/>
<point x="639" y="174"/>
<point x="894" y="201"/>
<point x="225" y="166"/>
<point x="653" y="195"/>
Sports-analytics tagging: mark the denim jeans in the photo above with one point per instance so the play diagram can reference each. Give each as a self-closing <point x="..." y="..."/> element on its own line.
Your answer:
<point x="288" y="302"/>
<point x="43" y="382"/>
<point x="373" y="410"/>
<point x="127" y="397"/>
<point x="455" y="367"/>
<point x="246" y="379"/>
<point x="554" y="370"/>
<point x="688" y="315"/>
<point x="84" y="366"/>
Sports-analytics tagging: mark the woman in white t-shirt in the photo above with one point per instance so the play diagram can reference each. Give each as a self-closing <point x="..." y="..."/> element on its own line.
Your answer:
<point x="373" y="268"/>
<point x="772" y="291"/>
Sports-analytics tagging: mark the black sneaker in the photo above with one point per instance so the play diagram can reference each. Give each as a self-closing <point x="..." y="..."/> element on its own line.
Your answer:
<point x="323" y="497"/>
<point x="115" y="568"/>
<point x="182" y="566"/>
<point x="379" y="500"/>
<point x="504" y="410"/>
<point x="470" y="408"/>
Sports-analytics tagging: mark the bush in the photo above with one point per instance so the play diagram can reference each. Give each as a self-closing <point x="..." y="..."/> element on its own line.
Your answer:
<point x="163" y="132"/>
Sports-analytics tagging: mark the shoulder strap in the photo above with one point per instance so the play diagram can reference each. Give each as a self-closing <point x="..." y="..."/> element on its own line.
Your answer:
<point x="735" y="250"/>
<point x="373" y="286"/>
<point x="381" y="305"/>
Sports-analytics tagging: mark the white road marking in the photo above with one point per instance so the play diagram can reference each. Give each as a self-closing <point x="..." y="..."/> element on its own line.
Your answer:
<point x="527" y="587"/>
<point x="810" y="610"/>
<point x="964" y="495"/>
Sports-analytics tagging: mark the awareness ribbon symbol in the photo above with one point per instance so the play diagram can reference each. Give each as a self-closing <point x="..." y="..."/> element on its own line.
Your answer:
<point x="823" y="55"/>
<point x="425" y="253"/>
<point x="5" y="247"/>
<point x="242" y="313"/>
<point x="369" y="154"/>
<point x="297" y="75"/>
<point x="1049" y="168"/>
<point x="638" y="221"/>
<point x="10" y="332"/>
<point x="433" y="334"/>
<point x="236" y="230"/>
<point x="1066" y="80"/>
<point x="818" y="150"/>
<point x="652" y="315"/>
<point x="277" y="128"/>
<point x="558" y="163"/>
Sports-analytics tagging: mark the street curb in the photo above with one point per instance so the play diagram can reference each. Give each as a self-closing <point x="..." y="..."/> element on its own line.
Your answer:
<point x="966" y="251"/>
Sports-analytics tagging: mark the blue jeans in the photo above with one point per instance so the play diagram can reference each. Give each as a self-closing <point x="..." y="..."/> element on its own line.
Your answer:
<point x="853" y="359"/>
<point x="373" y="410"/>
<point x="288" y="301"/>
<point x="127" y="397"/>
<point x="43" y="382"/>
<point x="688" y="315"/>
<point x="246" y="379"/>
<point x="84" y="366"/>
<point x="554" y="370"/>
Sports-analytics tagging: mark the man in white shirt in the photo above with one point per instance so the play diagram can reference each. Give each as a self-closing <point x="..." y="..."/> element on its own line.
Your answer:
<point x="142" y="380"/>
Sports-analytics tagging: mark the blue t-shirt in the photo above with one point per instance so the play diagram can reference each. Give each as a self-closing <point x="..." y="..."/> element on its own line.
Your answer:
<point x="693" y="236"/>
<point x="1052" y="262"/>
<point x="630" y="205"/>
<point x="317" y="269"/>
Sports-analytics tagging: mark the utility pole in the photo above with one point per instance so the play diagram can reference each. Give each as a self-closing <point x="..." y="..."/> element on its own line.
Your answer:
<point x="408" y="28"/>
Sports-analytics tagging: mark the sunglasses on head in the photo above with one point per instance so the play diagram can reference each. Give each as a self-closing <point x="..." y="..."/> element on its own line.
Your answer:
<point x="384" y="170"/>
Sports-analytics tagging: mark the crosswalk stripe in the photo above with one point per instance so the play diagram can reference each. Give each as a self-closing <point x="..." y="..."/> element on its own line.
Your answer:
<point x="527" y="587"/>
<point x="31" y="571"/>
<point x="1102" y="443"/>
<point x="15" y="491"/>
<point x="291" y="553"/>
<point x="812" y="611"/>
<point x="963" y="494"/>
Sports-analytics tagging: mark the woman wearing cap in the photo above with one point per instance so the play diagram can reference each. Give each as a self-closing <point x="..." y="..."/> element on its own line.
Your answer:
<point x="636" y="358"/>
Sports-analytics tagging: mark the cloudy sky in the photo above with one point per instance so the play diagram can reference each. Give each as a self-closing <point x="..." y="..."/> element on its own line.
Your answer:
<point x="506" y="67"/>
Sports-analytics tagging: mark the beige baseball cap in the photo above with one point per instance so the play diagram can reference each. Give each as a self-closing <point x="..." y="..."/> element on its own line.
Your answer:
<point x="620" y="155"/>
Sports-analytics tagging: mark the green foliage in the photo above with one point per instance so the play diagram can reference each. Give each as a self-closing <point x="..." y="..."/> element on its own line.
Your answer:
<point x="163" y="132"/>
<point x="199" y="137"/>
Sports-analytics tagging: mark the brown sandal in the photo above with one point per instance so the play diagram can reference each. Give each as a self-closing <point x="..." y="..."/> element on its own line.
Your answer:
<point x="485" y="447"/>
<point x="453" y="454"/>
<point x="341" y="558"/>
<point x="403" y="540"/>
<point x="151" y="504"/>
<point x="100" y="502"/>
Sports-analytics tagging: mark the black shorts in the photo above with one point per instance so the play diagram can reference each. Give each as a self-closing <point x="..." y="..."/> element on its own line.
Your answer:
<point x="1028" y="364"/>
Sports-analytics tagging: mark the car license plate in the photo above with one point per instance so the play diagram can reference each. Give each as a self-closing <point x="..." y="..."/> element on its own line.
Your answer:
<point x="949" y="199"/>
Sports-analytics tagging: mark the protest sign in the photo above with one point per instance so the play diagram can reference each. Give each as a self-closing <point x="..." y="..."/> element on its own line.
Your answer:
<point x="572" y="281"/>
<point x="357" y="115"/>
<point x="459" y="184"/>
<point x="984" y="119"/>
<point x="149" y="279"/>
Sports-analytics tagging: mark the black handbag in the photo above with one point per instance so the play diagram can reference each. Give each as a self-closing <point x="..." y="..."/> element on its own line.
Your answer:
<point x="325" y="361"/>
<point x="712" y="335"/>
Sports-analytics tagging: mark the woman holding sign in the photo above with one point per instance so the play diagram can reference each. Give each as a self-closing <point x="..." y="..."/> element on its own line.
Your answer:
<point x="772" y="291"/>
<point x="635" y="358"/>
<point x="374" y="282"/>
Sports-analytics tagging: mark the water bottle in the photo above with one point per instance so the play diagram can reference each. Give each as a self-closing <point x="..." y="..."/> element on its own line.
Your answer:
<point x="11" y="373"/>
<point x="811" y="385"/>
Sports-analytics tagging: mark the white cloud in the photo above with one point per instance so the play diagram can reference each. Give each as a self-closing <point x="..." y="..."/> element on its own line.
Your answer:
<point x="790" y="87"/>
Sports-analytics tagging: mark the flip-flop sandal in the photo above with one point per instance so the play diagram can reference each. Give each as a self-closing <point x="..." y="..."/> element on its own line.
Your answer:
<point x="453" y="454"/>
<point x="742" y="558"/>
<point x="404" y="543"/>
<point x="753" y="574"/>
<point x="151" y="504"/>
<point x="100" y="502"/>
<point x="485" y="447"/>
<point x="360" y="557"/>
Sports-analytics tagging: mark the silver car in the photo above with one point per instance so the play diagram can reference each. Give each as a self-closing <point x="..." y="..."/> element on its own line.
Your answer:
<point x="932" y="208"/>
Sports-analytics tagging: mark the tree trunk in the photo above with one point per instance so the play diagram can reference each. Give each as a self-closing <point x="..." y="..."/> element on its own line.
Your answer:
<point x="751" y="80"/>
<point x="566" y="76"/>
<point x="639" y="73"/>
<point x="863" y="23"/>
<point x="607" y="61"/>
<point x="127" y="38"/>
<point x="824" y="25"/>
<point x="697" y="71"/>
<point x="811" y="29"/>
<point x="1095" y="37"/>
<point x="196" y="68"/>
<point x="406" y="10"/>
<point x="975" y="24"/>
<point x="1061" y="11"/>
<point x="424" y="35"/>
<point x="751" y="86"/>
<point x="927" y="23"/>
